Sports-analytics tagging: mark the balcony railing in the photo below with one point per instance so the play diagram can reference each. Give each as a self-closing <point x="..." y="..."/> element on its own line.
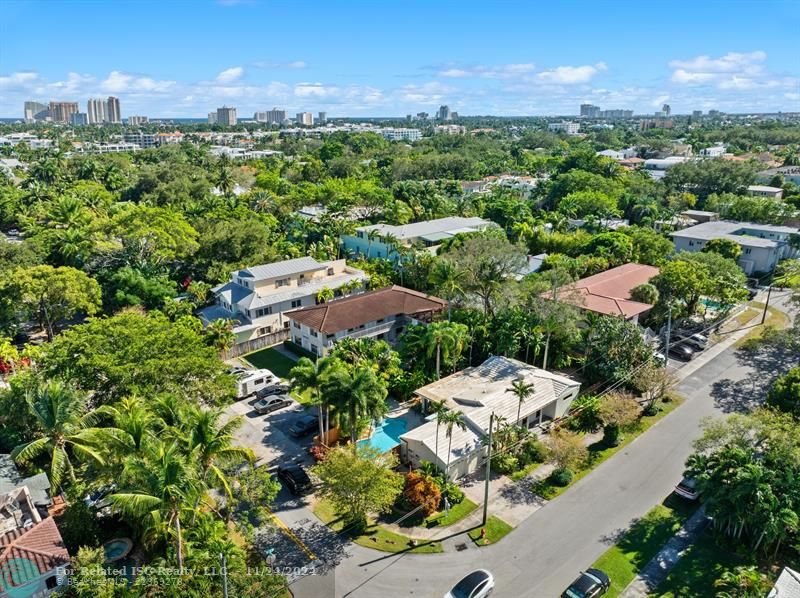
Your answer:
<point x="366" y="332"/>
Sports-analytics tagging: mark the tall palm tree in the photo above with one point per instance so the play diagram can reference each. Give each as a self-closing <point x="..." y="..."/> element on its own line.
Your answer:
<point x="357" y="396"/>
<point x="158" y="488"/>
<point x="66" y="427"/>
<point x="210" y="444"/>
<point x="451" y="420"/>
<point x="133" y="422"/>
<point x="522" y="390"/>
<point x="439" y="409"/>
<point x="439" y="338"/>
<point x="448" y="280"/>
<point x="311" y="375"/>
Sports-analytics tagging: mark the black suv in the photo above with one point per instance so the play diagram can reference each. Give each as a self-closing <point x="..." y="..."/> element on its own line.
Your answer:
<point x="590" y="584"/>
<point x="304" y="426"/>
<point x="295" y="478"/>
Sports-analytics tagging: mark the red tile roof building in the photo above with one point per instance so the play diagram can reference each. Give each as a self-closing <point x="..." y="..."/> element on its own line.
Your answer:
<point x="609" y="292"/>
<point x="40" y="546"/>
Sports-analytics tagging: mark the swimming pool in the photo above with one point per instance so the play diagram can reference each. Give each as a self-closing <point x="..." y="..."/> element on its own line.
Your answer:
<point x="386" y="435"/>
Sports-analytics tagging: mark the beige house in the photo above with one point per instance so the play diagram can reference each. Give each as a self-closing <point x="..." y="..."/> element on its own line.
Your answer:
<point x="256" y="298"/>
<point x="477" y="392"/>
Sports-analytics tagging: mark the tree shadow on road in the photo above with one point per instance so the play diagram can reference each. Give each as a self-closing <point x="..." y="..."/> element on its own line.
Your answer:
<point x="521" y="493"/>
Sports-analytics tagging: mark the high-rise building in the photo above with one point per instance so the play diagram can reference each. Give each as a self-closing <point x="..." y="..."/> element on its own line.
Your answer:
<point x="97" y="111"/>
<point x="453" y="115"/>
<point x="226" y="116"/>
<point x="36" y="111"/>
<point x="666" y="109"/>
<point x="697" y="113"/>
<point x="422" y="115"/>
<point x="135" y="121"/>
<point x="590" y="110"/>
<point x="212" y="118"/>
<point x="272" y="117"/>
<point x="79" y="118"/>
<point x="322" y="118"/>
<point x="444" y="113"/>
<point x="112" y="110"/>
<point x="305" y="119"/>
<point x="61" y="112"/>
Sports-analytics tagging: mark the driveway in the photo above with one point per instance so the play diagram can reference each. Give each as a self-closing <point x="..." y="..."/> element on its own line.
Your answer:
<point x="268" y="436"/>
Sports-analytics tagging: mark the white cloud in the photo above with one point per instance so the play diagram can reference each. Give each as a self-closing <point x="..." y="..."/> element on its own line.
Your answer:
<point x="659" y="101"/>
<point x="732" y="62"/>
<point x="503" y="71"/>
<point x="20" y="79"/>
<point x="119" y="82"/>
<point x="296" y="64"/>
<point x="733" y="71"/>
<point x="230" y="75"/>
<point x="304" y="90"/>
<point x="571" y="75"/>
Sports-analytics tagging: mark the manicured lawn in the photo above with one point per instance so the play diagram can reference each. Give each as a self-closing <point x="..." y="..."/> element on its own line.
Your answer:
<point x="271" y="359"/>
<point x="456" y="514"/>
<point x="496" y="529"/>
<point x="775" y="318"/>
<point x="640" y="543"/>
<point x="375" y="536"/>
<point x="599" y="451"/>
<point x="693" y="576"/>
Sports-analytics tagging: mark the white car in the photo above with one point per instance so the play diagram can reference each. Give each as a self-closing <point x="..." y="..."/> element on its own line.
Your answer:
<point x="478" y="584"/>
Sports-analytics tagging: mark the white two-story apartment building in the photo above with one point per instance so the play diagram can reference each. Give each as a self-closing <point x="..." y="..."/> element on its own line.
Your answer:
<point x="383" y="314"/>
<point x="763" y="245"/>
<point x="257" y="298"/>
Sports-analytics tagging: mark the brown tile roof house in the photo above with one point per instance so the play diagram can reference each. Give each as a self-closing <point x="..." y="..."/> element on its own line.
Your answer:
<point x="40" y="545"/>
<point x="609" y="292"/>
<point x="351" y="312"/>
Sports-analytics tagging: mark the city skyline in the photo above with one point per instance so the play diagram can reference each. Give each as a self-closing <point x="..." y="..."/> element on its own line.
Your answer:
<point x="546" y="60"/>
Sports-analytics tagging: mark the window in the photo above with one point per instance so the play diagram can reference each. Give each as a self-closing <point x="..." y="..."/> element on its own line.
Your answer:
<point x="297" y="302"/>
<point x="314" y="348"/>
<point x="360" y="234"/>
<point x="298" y="340"/>
<point x="747" y="251"/>
<point x="302" y="276"/>
<point x="379" y="321"/>
<point x="259" y="381"/>
<point x="296" y="325"/>
<point x="330" y="271"/>
<point x="263" y="311"/>
<point x="330" y="336"/>
<point x="691" y="243"/>
<point x="314" y="333"/>
<point x="264" y="330"/>
<point x="282" y="282"/>
<point x="286" y="325"/>
<point x="51" y="582"/>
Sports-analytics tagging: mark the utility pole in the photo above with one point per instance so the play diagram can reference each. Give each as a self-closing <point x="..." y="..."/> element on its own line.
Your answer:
<point x="488" y="471"/>
<point x="766" y="304"/>
<point x="224" y="565"/>
<point x="669" y="332"/>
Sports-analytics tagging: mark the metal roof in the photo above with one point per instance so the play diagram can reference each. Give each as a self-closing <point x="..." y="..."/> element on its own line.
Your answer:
<point x="284" y="268"/>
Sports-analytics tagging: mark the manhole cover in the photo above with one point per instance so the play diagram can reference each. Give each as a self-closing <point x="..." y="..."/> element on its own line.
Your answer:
<point x="461" y="546"/>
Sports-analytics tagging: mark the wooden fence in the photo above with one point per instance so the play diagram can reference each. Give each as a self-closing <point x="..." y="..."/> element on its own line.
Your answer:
<point x="255" y="344"/>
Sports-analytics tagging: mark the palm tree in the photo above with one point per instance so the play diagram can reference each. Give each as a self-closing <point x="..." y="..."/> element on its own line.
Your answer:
<point x="133" y="425"/>
<point x="220" y="334"/>
<point x="325" y="294"/>
<point x="439" y="337"/>
<point x="448" y="281"/>
<point x="372" y="235"/>
<point x="451" y="420"/>
<point x="157" y="488"/>
<point x="522" y="390"/>
<point x="357" y="396"/>
<point x="311" y="375"/>
<point x="61" y="414"/>
<point x="438" y="407"/>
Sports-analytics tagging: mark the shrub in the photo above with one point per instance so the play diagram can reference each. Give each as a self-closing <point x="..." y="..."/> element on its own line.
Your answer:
<point x="318" y="451"/>
<point x="453" y="493"/>
<point x="505" y="463"/>
<point x="561" y="477"/>
<point x="586" y="416"/>
<point x="618" y="412"/>
<point x="533" y="451"/>
<point x="421" y="490"/>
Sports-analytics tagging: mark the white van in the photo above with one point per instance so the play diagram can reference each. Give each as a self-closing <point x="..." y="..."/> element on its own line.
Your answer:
<point x="249" y="382"/>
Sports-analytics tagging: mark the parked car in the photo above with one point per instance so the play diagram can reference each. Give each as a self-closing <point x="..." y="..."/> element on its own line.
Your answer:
<point x="249" y="382"/>
<point x="681" y="351"/>
<point x="687" y="488"/>
<point x="272" y="403"/>
<point x="273" y="389"/>
<point x="660" y="358"/>
<point x="295" y="478"/>
<point x="697" y="341"/>
<point x="590" y="584"/>
<point x="478" y="584"/>
<point x="304" y="426"/>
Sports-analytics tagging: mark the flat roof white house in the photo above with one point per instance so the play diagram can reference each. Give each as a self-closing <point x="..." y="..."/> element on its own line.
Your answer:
<point x="477" y="392"/>
<point x="763" y="245"/>
<point x="765" y="191"/>
<point x="378" y="240"/>
<point x="256" y="298"/>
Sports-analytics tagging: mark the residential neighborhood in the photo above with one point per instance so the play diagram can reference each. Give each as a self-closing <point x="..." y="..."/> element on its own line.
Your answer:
<point x="390" y="315"/>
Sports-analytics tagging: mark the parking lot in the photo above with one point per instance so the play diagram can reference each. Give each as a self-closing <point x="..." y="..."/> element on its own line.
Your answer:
<point x="267" y="435"/>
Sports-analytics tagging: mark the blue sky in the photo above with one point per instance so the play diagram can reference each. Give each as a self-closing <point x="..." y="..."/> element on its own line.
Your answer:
<point x="384" y="58"/>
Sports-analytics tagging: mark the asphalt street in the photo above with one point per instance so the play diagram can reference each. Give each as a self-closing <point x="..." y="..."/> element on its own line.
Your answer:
<point x="541" y="556"/>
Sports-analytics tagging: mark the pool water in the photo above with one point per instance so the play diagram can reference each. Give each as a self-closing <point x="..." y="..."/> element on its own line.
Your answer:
<point x="117" y="549"/>
<point x="386" y="435"/>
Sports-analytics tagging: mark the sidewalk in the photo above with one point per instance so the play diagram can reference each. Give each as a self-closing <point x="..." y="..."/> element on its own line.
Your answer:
<point x="657" y="569"/>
